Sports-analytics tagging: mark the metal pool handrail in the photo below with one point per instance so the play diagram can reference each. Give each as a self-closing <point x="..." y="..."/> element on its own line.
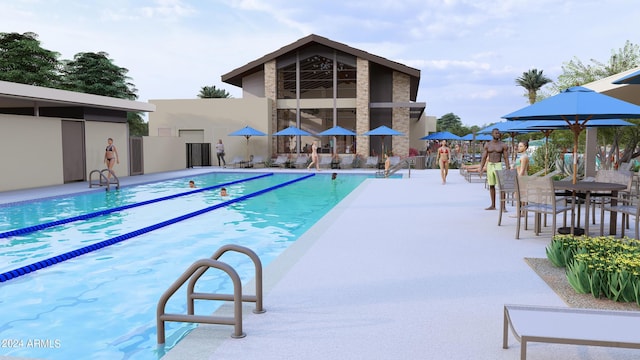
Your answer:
<point x="193" y="273"/>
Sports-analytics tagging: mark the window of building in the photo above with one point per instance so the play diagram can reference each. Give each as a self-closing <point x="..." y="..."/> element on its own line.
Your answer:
<point x="320" y="70"/>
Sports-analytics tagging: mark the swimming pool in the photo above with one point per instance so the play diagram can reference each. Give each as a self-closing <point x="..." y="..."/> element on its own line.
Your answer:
<point x="103" y="303"/>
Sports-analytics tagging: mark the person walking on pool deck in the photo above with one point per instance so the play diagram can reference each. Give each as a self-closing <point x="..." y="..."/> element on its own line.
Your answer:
<point x="494" y="152"/>
<point x="111" y="156"/>
<point x="220" y="153"/>
<point x="314" y="156"/>
<point x="444" y="154"/>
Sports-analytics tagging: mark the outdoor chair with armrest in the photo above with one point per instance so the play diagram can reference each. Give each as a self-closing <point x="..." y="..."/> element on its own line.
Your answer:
<point x="624" y="177"/>
<point x="507" y="189"/>
<point x="537" y="195"/>
<point x="257" y="159"/>
<point x="628" y="206"/>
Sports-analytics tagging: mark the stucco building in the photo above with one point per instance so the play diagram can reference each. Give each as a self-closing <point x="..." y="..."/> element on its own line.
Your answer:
<point x="313" y="84"/>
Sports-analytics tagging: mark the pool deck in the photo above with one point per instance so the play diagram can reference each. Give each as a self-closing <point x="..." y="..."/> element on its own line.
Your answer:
<point x="400" y="269"/>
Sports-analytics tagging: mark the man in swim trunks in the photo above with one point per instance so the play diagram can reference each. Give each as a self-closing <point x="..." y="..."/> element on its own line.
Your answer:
<point x="494" y="152"/>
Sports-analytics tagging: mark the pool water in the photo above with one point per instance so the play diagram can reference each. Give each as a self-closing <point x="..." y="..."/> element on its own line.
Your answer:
<point x="102" y="304"/>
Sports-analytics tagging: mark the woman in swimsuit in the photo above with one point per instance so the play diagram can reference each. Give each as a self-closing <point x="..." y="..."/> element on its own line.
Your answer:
<point x="522" y="162"/>
<point x="314" y="156"/>
<point x="443" y="160"/>
<point x="111" y="156"/>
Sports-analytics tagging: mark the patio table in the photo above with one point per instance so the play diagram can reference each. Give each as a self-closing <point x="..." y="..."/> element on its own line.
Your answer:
<point x="586" y="188"/>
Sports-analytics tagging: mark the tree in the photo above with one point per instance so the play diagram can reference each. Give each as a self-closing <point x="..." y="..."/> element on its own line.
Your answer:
<point x="449" y="122"/>
<point x="575" y="72"/>
<point x="137" y="126"/>
<point x="95" y="73"/>
<point x="532" y="81"/>
<point x="24" y="61"/>
<point x="210" y="92"/>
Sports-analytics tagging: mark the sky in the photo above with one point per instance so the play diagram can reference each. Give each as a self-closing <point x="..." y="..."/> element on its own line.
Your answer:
<point x="469" y="52"/>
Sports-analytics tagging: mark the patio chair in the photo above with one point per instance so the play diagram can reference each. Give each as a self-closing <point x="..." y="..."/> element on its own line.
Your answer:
<point x="346" y="161"/>
<point x="628" y="206"/>
<point x="237" y="161"/>
<point x="624" y="177"/>
<point x="257" y="160"/>
<point x="372" y="161"/>
<point x="280" y="161"/>
<point x="537" y="194"/>
<point x="507" y="189"/>
<point x="301" y="161"/>
<point x="325" y="161"/>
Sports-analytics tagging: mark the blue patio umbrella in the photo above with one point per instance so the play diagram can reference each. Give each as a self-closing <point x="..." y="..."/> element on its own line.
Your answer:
<point x="292" y="131"/>
<point x="479" y="137"/>
<point x="576" y="106"/>
<point x="337" y="131"/>
<point x="247" y="132"/>
<point x="383" y="131"/>
<point x="441" y="135"/>
<point x="633" y="78"/>
<point x="548" y="126"/>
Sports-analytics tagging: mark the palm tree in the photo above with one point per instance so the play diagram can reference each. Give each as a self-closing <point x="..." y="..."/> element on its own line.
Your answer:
<point x="532" y="81"/>
<point x="209" y="92"/>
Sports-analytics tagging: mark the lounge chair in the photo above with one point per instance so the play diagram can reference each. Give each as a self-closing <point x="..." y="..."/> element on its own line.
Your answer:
<point x="237" y="161"/>
<point x="256" y="160"/>
<point x="280" y="161"/>
<point x="372" y="161"/>
<point x="325" y="161"/>
<point x="301" y="161"/>
<point x="346" y="161"/>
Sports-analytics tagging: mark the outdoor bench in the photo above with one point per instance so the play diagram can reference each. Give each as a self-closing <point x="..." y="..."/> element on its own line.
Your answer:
<point x="560" y="325"/>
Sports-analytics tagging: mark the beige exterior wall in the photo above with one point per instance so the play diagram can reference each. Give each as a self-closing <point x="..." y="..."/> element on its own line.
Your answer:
<point x="164" y="153"/>
<point x="216" y="118"/>
<point x="420" y="128"/>
<point x="32" y="150"/>
<point x="96" y="134"/>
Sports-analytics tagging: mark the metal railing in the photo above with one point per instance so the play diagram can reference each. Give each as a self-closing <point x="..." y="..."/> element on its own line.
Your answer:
<point x="193" y="273"/>
<point x="104" y="180"/>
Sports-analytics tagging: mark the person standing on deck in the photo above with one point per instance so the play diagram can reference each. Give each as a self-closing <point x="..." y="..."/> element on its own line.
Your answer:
<point x="494" y="152"/>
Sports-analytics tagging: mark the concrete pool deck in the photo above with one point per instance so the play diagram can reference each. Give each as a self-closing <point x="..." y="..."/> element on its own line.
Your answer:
<point x="400" y="269"/>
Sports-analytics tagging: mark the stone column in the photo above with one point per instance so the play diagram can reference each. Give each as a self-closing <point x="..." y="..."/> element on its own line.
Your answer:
<point x="270" y="92"/>
<point x="362" y="108"/>
<point x="400" y="115"/>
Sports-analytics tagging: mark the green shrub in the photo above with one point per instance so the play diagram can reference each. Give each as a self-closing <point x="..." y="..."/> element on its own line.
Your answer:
<point x="602" y="266"/>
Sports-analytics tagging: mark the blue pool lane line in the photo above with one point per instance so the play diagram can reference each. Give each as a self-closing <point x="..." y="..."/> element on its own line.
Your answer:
<point x="12" y="274"/>
<point x="39" y="227"/>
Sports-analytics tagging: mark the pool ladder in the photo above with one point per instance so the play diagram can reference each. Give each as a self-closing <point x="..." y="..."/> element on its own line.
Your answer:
<point x="103" y="180"/>
<point x="193" y="273"/>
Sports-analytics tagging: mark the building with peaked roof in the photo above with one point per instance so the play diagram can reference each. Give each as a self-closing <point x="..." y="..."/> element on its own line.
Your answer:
<point x="52" y="137"/>
<point x="313" y="84"/>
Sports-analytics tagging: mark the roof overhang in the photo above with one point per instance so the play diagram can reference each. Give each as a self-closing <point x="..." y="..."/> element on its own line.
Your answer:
<point x="14" y="95"/>
<point x="625" y="92"/>
<point x="416" y="109"/>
